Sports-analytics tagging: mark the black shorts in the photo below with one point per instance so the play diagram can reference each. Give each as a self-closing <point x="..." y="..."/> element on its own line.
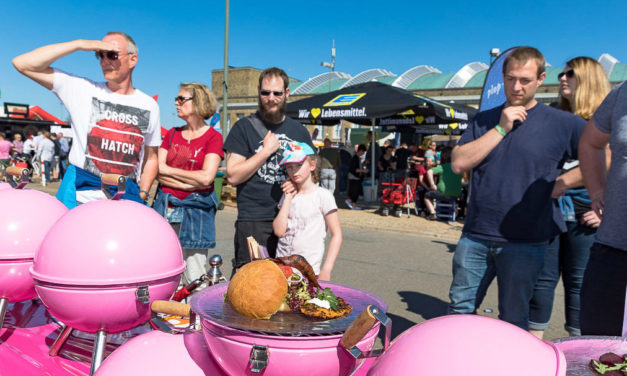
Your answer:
<point x="263" y="234"/>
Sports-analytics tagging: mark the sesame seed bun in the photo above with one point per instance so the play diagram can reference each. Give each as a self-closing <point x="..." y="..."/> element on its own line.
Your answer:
<point x="257" y="289"/>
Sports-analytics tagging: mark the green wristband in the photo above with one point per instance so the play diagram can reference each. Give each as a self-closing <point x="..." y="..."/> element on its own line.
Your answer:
<point x="500" y="130"/>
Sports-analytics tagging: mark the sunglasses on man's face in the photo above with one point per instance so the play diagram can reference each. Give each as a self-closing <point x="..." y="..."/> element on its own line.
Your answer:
<point x="265" y="93"/>
<point x="568" y="73"/>
<point x="111" y="55"/>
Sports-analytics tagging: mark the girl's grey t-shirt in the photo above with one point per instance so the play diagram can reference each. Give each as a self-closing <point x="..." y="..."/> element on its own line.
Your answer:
<point x="611" y="117"/>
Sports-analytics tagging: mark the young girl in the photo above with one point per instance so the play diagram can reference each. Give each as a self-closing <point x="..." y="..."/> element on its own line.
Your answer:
<point x="306" y="211"/>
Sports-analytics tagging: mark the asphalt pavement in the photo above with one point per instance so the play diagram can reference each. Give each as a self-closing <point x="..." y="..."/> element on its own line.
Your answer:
<point x="411" y="273"/>
<point x="405" y="261"/>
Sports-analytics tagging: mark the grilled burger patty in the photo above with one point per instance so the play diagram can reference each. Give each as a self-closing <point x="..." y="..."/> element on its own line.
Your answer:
<point x="316" y="312"/>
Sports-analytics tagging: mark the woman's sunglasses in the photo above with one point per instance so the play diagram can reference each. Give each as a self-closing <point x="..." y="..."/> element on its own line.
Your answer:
<point x="111" y="55"/>
<point x="568" y="73"/>
<point x="180" y="99"/>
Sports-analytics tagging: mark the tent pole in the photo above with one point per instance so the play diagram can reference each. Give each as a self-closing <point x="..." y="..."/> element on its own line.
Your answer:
<point x="373" y="165"/>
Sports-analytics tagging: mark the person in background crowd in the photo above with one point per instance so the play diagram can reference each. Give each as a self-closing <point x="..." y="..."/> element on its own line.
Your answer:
<point x="387" y="162"/>
<point x="605" y="280"/>
<point x="38" y="138"/>
<point x="306" y="213"/>
<point x="18" y="145"/>
<point x="372" y="144"/>
<point x="355" y="177"/>
<point x="6" y="147"/>
<point x="115" y="127"/>
<point x="423" y="185"/>
<point x="189" y="157"/>
<point x="402" y="155"/>
<point x="5" y="150"/>
<point x="432" y="151"/>
<point x="57" y="150"/>
<point x="583" y="86"/>
<point x="254" y="148"/>
<point x="329" y="165"/>
<point x="346" y="155"/>
<point x="511" y="215"/>
<point x="64" y="150"/>
<point x="29" y="146"/>
<point x="449" y="184"/>
<point x="45" y="153"/>
<point x="417" y="158"/>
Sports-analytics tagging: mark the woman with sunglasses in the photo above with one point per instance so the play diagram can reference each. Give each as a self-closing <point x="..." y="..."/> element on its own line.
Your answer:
<point x="188" y="162"/>
<point x="583" y="86"/>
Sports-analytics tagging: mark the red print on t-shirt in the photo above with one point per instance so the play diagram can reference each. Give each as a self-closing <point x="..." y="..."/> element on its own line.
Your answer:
<point x="114" y="147"/>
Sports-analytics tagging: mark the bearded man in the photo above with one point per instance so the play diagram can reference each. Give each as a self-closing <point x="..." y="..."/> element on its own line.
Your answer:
<point x="254" y="148"/>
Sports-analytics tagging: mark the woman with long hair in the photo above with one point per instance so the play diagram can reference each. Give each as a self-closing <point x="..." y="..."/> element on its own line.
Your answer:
<point x="188" y="162"/>
<point x="583" y="86"/>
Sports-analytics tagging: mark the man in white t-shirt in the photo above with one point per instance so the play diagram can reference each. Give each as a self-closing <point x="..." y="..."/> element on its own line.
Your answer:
<point x="115" y="127"/>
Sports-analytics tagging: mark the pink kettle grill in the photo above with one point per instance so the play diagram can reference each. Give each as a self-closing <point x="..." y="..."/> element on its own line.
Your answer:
<point x="469" y="345"/>
<point x="27" y="215"/>
<point x="101" y="265"/>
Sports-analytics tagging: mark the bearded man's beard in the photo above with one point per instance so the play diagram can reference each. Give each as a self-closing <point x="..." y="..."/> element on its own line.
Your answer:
<point x="273" y="117"/>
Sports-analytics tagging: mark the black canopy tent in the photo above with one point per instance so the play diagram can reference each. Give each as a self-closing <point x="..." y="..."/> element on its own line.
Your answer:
<point x="373" y="103"/>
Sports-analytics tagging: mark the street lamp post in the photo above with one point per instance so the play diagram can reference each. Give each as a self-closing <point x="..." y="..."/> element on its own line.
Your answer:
<point x="330" y="65"/>
<point x="225" y="87"/>
<point x="494" y="53"/>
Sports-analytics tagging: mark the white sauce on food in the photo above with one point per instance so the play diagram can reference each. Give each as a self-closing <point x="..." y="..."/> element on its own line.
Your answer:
<point x="320" y="303"/>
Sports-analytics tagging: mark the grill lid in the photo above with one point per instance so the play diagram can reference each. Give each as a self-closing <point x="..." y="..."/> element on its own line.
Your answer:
<point x="106" y="243"/>
<point x="26" y="216"/>
<point x="209" y="304"/>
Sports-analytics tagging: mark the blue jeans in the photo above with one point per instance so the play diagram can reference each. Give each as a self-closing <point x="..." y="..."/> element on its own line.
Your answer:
<point x="566" y="254"/>
<point x="47" y="167"/>
<point x="327" y="179"/>
<point x="343" y="181"/>
<point x="515" y="265"/>
<point x="603" y="291"/>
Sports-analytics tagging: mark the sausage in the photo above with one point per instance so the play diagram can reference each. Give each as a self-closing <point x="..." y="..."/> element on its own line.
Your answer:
<point x="300" y="263"/>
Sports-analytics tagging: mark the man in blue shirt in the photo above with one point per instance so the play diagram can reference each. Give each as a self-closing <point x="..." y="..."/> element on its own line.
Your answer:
<point x="515" y="152"/>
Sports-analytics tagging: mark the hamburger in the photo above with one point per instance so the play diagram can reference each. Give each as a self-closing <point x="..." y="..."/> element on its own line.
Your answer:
<point x="263" y="287"/>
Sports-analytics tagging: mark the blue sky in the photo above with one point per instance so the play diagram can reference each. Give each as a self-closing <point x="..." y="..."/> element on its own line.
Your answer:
<point x="182" y="41"/>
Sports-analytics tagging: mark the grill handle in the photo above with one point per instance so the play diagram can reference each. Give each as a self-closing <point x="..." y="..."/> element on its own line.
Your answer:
<point x="18" y="171"/>
<point x="113" y="179"/>
<point x="361" y="326"/>
<point x="170" y="308"/>
<point x="358" y="329"/>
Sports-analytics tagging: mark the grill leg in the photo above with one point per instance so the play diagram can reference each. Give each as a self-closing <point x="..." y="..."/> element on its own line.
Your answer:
<point x="99" y="348"/>
<point x="4" y="304"/>
<point x="58" y="343"/>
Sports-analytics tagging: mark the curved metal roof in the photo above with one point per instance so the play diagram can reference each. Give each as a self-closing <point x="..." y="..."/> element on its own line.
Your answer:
<point x="312" y="83"/>
<point x="431" y="81"/>
<point x="551" y="75"/>
<point x="411" y="75"/>
<point x="386" y="80"/>
<point x="368" y="75"/>
<point x="331" y="85"/>
<point x="465" y="74"/>
<point x="608" y="62"/>
<point x="477" y="80"/>
<point x="421" y="77"/>
<point x="619" y="73"/>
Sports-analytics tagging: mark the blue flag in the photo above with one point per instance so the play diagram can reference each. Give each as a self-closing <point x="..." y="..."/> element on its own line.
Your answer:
<point x="493" y="93"/>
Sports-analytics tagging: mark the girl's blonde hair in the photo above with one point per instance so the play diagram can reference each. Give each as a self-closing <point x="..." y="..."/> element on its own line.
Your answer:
<point x="315" y="174"/>
<point x="592" y="87"/>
